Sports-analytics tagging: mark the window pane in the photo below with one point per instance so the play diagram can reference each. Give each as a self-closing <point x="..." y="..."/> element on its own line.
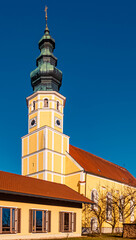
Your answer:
<point x="33" y="221"/>
<point x="45" y="222"/>
<point x="6" y="220"/>
<point x="13" y="220"/>
<point x="38" y="221"/>
<point x="66" y="221"/>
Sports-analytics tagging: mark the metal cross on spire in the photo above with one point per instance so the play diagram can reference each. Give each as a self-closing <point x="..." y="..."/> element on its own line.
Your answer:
<point x="46" y="16"/>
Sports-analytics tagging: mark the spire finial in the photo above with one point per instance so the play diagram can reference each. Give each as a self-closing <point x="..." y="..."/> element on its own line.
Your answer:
<point x="46" y="17"/>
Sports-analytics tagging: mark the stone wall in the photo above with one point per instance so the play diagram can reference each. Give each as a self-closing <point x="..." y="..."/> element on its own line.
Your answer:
<point x="129" y="230"/>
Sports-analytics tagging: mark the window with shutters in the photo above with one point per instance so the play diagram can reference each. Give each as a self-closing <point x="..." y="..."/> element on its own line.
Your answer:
<point x="10" y="220"/>
<point x="46" y="103"/>
<point x="39" y="221"/>
<point x="67" y="222"/>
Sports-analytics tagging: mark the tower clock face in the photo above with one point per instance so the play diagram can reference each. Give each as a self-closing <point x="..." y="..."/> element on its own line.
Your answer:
<point x="32" y="122"/>
<point x="58" y="122"/>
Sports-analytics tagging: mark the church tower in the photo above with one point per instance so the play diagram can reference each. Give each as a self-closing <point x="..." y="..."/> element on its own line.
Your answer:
<point x="45" y="145"/>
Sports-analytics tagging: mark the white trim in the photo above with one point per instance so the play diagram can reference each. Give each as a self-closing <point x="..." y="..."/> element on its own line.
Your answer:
<point x="28" y="146"/>
<point x="49" y="150"/>
<point x="8" y="207"/>
<point x="62" y="145"/>
<point x="45" y="93"/>
<point x="82" y="177"/>
<point x="22" y="146"/>
<point x="68" y="145"/>
<point x="53" y="106"/>
<point x="67" y="211"/>
<point x="27" y="165"/>
<point x="38" y="101"/>
<point x="74" y="161"/>
<point x="62" y="162"/>
<point x="46" y="161"/>
<point x="62" y="123"/>
<point x="44" y="155"/>
<point x="55" y="173"/>
<point x="44" y="127"/>
<point x="110" y="180"/>
<point x="46" y="138"/>
<point x="40" y="209"/>
<point x="22" y="168"/>
<point x="37" y="141"/>
<point x="52" y="165"/>
<point x="38" y="119"/>
<point x="53" y="140"/>
<point x="37" y="162"/>
<point x="52" y="120"/>
<point x="46" y="109"/>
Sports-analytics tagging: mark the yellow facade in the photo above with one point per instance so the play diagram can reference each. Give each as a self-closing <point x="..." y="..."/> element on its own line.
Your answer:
<point x="45" y="145"/>
<point x="45" y="151"/>
<point x="25" y="207"/>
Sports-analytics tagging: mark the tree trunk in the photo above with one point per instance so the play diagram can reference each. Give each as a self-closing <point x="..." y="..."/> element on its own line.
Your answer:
<point x="100" y="228"/>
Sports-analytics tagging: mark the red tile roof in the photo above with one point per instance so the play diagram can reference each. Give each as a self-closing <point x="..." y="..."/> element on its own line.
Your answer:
<point x="28" y="186"/>
<point x="98" y="166"/>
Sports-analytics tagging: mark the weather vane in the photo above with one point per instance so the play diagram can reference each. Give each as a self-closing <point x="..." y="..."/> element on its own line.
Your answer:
<point x="46" y="16"/>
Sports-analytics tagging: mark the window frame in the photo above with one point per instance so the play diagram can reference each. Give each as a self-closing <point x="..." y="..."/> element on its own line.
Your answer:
<point x="57" y="105"/>
<point x="17" y="220"/>
<point x="72" y="222"/>
<point x="132" y="210"/>
<point x="95" y="199"/>
<point x="46" y="221"/>
<point x="33" y="105"/>
<point x="109" y="207"/>
<point x="47" y="102"/>
<point x="121" y="211"/>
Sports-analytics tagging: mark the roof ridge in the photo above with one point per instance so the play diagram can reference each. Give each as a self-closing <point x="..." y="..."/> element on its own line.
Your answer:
<point x="124" y="169"/>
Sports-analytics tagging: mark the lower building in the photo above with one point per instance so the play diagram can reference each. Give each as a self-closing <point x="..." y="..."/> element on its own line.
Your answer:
<point x="37" y="209"/>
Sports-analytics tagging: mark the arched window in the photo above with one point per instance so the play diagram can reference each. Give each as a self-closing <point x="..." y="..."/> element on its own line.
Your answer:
<point x="132" y="210"/>
<point x="94" y="225"/>
<point x="58" y="105"/>
<point x="33" y="106"/>
<point x="94" y="198"/>
<point x="46" y="104"/>
<point x="109" y="207"/>
<point x="121" y="208"/>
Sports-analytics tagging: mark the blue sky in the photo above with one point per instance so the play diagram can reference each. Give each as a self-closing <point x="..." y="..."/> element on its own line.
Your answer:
<point x="96" y="50"/>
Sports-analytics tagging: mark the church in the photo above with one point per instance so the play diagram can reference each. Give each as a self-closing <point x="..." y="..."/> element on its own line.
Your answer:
<point x="71" y="176"/>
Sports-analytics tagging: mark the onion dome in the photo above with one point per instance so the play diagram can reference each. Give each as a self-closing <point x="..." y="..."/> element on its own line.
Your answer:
<point x="46" y="77"/>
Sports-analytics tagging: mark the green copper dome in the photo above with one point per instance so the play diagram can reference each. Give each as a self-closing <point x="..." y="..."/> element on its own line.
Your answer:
<point x="46" y="77"/>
